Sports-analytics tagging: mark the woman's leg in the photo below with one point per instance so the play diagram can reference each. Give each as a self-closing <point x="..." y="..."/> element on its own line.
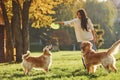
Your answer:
<point x="83" y="63"/>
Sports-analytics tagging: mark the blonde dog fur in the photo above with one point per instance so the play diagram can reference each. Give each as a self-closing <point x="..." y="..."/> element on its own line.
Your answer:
<point x="93" y="58"/>
<point x="43" y="61"/>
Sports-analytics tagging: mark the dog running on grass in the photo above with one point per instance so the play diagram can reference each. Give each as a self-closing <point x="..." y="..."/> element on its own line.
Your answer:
<point x="43" y="61"/>
<point x="93" y="58"/>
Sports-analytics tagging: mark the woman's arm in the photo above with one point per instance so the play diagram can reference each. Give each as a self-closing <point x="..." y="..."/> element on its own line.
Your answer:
<point x="70" y="22"/>
<point x="59" y="23"/>
<point x="94" y="37"/>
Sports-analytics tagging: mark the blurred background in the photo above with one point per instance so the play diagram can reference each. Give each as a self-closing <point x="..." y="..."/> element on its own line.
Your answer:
<point x="105" y="13"/>
<point x="25" y="25"/>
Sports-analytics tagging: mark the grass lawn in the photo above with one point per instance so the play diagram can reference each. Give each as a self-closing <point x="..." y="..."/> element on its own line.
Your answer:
<point x="66" y="65"/>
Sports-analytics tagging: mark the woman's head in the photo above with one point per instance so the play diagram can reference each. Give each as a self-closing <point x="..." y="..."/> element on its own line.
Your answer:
<point x="81" y="14"/>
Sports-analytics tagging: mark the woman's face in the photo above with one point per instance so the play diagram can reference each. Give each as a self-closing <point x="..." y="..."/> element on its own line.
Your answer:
<point x="78" y="15"/>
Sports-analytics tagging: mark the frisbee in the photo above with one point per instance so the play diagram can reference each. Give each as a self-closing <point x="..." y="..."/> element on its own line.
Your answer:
<point x="55" y="26"/>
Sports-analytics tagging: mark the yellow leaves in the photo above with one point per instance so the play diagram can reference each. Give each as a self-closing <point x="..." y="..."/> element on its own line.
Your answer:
<point x="42" y="21"/>
<point x="44" y="7"/>
<point x="40" y="12"/>
<point x="39" y="3"/>
<point x="99" y="35"/>
<point x="36" y="24"/>
<point x="68" y="2"/>
<point x="8" y="6"/>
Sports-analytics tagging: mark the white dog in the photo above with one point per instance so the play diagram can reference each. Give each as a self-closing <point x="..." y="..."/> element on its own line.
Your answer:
<point x="43" y="61"/>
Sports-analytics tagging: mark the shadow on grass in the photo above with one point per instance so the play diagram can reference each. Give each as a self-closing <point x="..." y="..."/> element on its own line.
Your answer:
<point x="10" y="76"/>
<point x="60" y="73"/>
<point x="78" y="72"/>
<point x="32" y="76"/>
<point x="39" y="78"/>
<point x="84" y="73"/>
<point x="18" y="75"/>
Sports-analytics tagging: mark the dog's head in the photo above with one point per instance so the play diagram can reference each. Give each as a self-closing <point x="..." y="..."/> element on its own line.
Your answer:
<point x="47" y="49"/>
<point x="28" y="52"/>
<point x="86" y="45"/>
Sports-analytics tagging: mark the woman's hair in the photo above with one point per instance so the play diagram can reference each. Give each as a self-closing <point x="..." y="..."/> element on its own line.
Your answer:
<point x="83" y="19"/>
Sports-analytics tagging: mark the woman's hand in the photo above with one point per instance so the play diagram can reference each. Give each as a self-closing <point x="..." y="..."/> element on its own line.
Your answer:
<point x="59" y="22"/>
<point x="94" y="37"/>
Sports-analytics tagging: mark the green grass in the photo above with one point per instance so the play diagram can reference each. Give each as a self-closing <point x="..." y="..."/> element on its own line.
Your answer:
<point x="66" y="65"/>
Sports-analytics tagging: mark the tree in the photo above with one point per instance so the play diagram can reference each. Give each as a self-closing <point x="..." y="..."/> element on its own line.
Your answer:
<point x="9" y="41"/>
<point x="40" y="12"/>
<point x="22" y="41"/>
<point x="21" y="11"/>
<point x="99" y="35"/>
<point x="103" y="13"/>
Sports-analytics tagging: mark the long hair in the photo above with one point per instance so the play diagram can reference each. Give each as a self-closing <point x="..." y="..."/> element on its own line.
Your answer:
<point x="83" y="19"/>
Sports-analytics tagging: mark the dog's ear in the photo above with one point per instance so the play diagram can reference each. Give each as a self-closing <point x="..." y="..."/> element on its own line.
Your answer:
<point x="45" y="48"/>
<point x="50" y="47"/>
<point x="84" y="44"/>
<point x="90" y="44"/>
<point x="28" y="51"/>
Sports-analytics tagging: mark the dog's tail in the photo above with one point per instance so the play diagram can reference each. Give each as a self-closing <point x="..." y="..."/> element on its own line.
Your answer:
<point x="114" y="48"/>
<point x="25" y="55"/>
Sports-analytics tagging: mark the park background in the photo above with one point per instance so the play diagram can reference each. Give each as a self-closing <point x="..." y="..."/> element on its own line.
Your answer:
<point x="25" y="25"/>
<point x="105" y="14"/>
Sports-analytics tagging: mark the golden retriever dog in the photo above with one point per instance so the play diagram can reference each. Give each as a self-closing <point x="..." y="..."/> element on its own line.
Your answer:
<point x="93" y="58"/>
<point x="43" y="61"/>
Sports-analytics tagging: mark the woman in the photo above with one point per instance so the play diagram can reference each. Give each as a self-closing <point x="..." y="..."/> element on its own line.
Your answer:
<point x="83" y="26"/>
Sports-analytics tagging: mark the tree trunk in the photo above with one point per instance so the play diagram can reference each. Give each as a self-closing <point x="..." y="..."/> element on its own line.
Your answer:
<point x="17" y="33"/>
<point x="25" y="25"/>
<point x="9" y="42"/>
<point x="2" y="55"/>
